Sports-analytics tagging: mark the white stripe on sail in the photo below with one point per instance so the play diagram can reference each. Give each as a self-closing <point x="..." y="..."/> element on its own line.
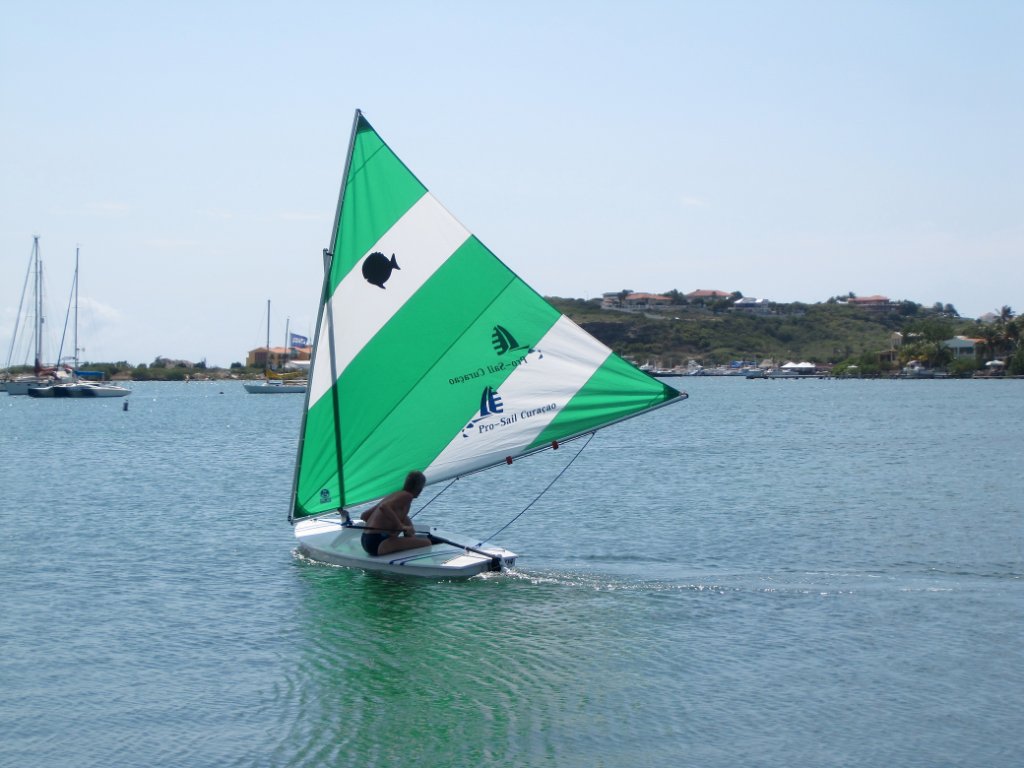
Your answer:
<point x="531" y="397"/>
<point x="422" y="240"/>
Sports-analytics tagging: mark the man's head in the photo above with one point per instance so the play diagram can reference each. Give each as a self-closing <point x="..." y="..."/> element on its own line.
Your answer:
<point x="414" y="482"/>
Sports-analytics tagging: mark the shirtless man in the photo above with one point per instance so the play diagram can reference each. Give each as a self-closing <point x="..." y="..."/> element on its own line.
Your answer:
<point x="390" y="518"/>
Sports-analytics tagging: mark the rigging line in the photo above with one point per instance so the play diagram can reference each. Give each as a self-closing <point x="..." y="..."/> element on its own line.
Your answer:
<point x="450" y="484"/>
<point x="553" y="481"/>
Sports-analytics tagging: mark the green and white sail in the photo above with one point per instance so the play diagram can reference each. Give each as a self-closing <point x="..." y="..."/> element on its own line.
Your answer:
<point x="431" y="354"/>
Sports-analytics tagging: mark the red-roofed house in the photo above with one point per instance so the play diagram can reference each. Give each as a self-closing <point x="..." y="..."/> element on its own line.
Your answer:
<point x="870" y="302"/>
<point x="705" y="295"/>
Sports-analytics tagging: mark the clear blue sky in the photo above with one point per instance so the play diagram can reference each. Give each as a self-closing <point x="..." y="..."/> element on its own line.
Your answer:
<point x="789" y="150"/>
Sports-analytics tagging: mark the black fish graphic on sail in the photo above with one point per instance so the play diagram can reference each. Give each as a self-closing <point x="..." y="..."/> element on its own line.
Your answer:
<point x="377" y="268"/>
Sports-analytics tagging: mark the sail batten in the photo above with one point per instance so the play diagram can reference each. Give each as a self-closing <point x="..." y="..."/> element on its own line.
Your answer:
<point x="431" y="354"/>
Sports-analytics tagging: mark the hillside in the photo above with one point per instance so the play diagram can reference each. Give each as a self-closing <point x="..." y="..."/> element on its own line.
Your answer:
<point x="823" y="333"/>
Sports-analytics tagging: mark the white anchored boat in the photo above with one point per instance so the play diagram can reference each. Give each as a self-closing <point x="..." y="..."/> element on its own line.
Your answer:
<point x="41" y="375"/>
<point x="275" y="383"/>
<point x="77" y="387"/>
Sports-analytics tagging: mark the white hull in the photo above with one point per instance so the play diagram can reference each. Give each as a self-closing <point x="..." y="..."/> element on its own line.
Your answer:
<point x="270" y="388"/>
<point x="20" y="386"/>
<point x="329" y="541"/>
<point x="98" y="390"/>
<point x="79" y="389"/>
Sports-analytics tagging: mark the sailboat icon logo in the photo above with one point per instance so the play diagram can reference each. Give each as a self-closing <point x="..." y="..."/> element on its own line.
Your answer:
<point x="490" y="404"/>
<point x="503" y="340"/>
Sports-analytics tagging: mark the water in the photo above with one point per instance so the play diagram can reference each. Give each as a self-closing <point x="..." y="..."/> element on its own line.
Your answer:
<point x="774" y="573"/>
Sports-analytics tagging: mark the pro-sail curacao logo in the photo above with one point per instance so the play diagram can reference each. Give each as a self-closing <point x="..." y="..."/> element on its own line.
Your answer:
<point x="506" y="346"/>
<point x="494" y="416"/>
<point x="490" y="404"/>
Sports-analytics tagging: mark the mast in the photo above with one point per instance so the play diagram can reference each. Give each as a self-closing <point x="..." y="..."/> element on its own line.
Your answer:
<point x="74" y="335"/>
<point x="68" y="317"/>
<point x="266" y="363"/>
<point x="39" y="306"/>
<point x="29" y="273"/>
<point x="325" y="295"/>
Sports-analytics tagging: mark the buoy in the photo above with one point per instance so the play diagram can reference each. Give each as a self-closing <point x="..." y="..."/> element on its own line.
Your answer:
<point x="125" y="408"/>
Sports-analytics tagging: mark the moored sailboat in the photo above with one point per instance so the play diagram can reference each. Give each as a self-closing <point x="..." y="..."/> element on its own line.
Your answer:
<point x="489" y="370"/>
<point x="76" y="387"/>
<point x="273" y="381"/>
<point x="42" y="375"/>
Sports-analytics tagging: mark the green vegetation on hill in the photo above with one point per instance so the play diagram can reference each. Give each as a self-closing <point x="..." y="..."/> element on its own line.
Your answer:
<point x="828" y="333"/>
<point x="673" y="335"/>
<point x="832" y="333"/>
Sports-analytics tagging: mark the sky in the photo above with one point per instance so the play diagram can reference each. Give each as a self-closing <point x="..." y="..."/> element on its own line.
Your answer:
<point x="794" y="151"/>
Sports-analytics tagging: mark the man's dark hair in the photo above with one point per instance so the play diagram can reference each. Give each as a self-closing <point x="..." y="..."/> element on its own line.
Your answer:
<point x="414" y="482"/>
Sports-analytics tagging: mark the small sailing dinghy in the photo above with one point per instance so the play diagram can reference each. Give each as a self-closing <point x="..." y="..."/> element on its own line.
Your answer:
<point x="274" y="382"/>
<point x="430" y="354"/>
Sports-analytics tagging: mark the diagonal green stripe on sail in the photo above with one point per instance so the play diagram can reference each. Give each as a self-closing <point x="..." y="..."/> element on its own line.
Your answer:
<point x="317" y="484"/>
<point x="615" y="392"/>
<point x="514" y="416"/>
<point x="406" y="375"/>
<point x="420" y="379"/>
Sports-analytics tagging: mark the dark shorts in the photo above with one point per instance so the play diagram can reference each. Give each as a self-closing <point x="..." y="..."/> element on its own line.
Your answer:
<point x="371" y="542"/>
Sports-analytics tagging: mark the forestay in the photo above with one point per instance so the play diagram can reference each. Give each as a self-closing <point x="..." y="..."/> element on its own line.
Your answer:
<point x="431" y="354"/>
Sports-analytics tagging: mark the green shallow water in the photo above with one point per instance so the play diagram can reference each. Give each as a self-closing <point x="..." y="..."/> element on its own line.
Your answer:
<point x="820" y="573"/>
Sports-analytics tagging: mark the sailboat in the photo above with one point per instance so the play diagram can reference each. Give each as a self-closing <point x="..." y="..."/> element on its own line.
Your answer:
<point x="430" y="354"/>
<point x="77" y="387"/>
<point x="276" y="383"/>
<point x="41" y="374"/>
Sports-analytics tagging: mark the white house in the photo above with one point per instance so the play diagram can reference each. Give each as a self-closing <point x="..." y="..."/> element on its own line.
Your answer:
<point x="752" y="305"/>
<point x="962" y="346"/>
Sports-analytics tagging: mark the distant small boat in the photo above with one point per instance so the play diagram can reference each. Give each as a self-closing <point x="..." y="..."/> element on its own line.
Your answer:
<point x="276" y="383"/>
<point x="275" y="387"/>
<point x="79" y="389"/>
<point x="95" y="389"/>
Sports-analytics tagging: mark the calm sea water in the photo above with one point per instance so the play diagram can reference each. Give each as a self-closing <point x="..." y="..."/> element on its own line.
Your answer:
<point x="774" y="573"/>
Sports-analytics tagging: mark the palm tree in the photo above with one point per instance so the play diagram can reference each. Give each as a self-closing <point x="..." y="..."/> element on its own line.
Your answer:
<point x="930" y="335"/>
<point x="1003" y="321"/>
<point x="990" y="336"/>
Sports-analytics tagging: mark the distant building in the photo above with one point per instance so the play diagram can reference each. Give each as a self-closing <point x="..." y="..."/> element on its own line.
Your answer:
<point x="704" y="295"/>
<point x="963" y="346"/>
<point x="275" y="358"/>
<point x="876" y="303"/>
<point x="646" y="300"/>
<point x="613" y="298"/>
<point x="752" y="305"/>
